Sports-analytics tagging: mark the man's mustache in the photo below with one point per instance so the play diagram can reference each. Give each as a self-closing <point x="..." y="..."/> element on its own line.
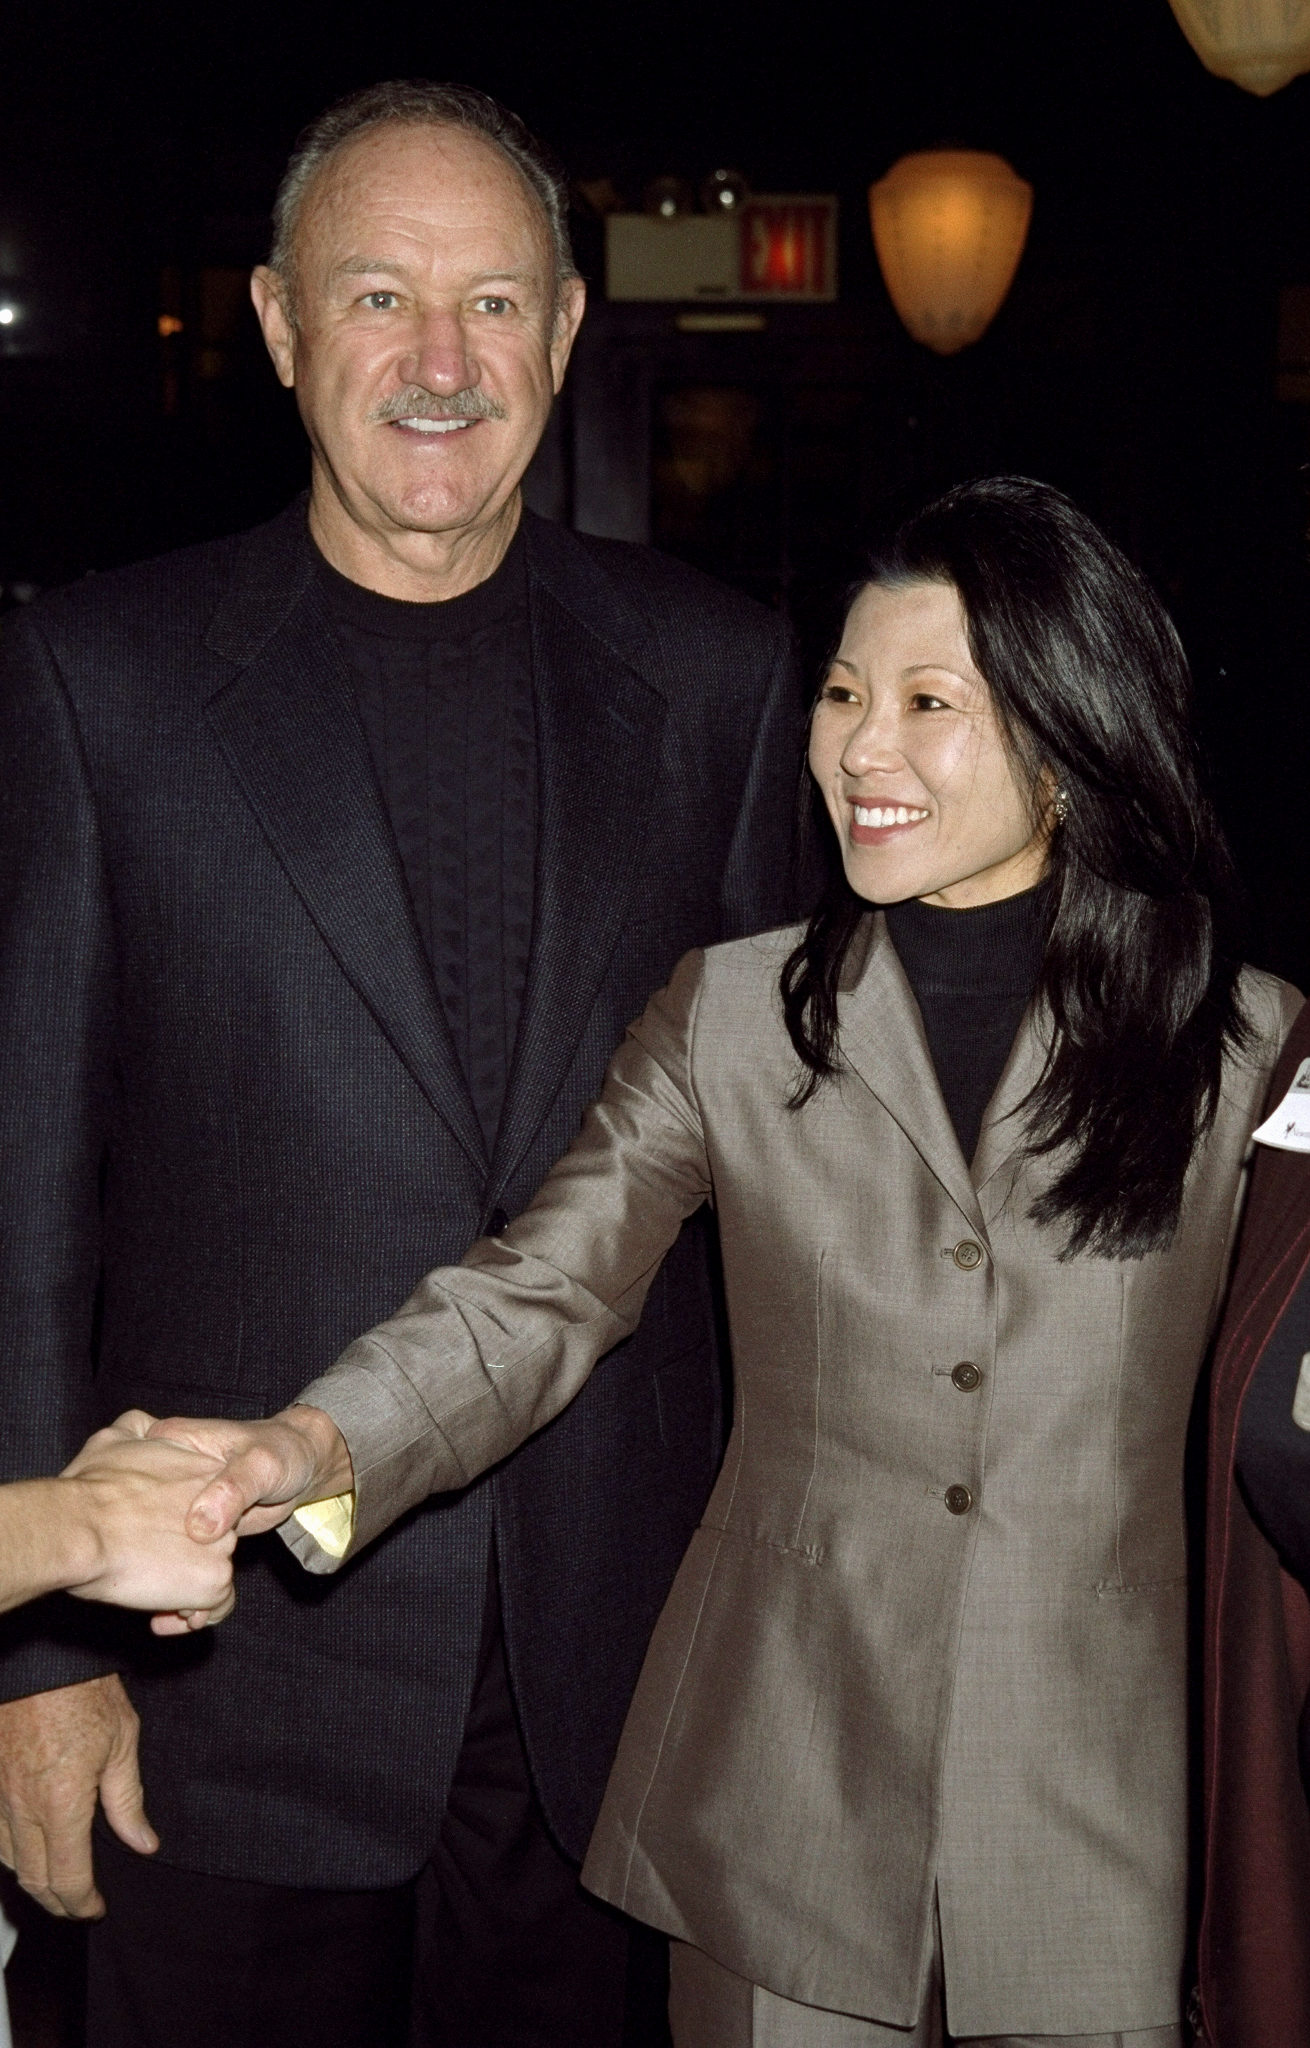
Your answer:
<point x="415" y="403"/>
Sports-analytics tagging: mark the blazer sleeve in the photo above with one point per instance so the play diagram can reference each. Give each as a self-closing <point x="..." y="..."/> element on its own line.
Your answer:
<point x="57" y="1002"/>
<point x="484" y="1353"/>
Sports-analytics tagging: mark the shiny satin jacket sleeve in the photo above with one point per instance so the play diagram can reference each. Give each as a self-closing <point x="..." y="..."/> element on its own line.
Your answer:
<point x="484" y="1353"/>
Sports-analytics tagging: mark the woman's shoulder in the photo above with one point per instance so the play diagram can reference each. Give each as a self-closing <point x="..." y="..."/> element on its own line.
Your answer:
<point x="733" y="976"/>
<point x="734" y="985"/>
<point x="758" y="957"/>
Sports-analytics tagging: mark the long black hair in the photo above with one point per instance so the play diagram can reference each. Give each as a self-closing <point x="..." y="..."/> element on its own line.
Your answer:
<point x="1139" y="977"/>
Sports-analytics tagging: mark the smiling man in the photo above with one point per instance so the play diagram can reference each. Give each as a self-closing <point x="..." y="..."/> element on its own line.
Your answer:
<point x="334" y="859"/>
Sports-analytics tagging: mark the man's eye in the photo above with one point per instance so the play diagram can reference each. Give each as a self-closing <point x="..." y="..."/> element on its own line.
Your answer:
<point x="379" y="302"/>
<point x="491" y="304"/>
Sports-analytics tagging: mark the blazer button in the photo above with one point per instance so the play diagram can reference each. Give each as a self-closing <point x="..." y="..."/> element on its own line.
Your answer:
<point x="497" y="1223"/>
<point x="966" y="1376"/>
<point x="959" y="1499"/>
<point x="967" y="1255"/>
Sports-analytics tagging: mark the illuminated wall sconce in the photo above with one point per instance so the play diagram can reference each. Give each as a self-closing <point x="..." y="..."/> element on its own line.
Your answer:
<point x="949" y="226"/>
<point x="1258" y="44"/>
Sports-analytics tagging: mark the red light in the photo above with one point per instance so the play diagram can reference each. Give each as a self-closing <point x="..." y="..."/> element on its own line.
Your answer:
<point x="784" y="248"/>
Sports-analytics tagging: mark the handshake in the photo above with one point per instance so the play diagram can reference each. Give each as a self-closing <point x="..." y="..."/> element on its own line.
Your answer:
<point x="148" y="1513"/>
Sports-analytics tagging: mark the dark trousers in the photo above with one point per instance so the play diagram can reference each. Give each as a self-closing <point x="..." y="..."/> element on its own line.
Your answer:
<point x="494" y="1945"/>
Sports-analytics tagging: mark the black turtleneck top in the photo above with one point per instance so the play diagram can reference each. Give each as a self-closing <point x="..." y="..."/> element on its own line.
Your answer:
<point x="973" y="973"/>
<point x="445" y="698"/>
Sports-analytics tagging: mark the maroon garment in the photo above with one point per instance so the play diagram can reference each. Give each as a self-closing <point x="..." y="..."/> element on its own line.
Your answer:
<point x="1254" y="1952"/>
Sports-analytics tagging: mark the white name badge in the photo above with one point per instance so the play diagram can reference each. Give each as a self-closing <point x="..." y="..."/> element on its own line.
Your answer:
<point x="1289" y="1126"/>
<point x="1301" y="1398"/>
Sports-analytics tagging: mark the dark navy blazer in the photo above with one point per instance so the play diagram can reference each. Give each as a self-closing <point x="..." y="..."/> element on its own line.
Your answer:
<point x="234" y="1133"/>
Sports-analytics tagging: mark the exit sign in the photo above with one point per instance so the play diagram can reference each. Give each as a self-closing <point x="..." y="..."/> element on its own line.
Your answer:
<point x="779" y="246"/>
<point x="789" y="248"/>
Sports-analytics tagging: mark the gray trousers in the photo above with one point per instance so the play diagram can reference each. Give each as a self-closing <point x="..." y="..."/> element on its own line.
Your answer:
<point x="710" y="2008"/>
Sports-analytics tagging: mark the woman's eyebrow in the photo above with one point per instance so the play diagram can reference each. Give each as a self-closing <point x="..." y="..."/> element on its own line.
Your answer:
<point x="935" y="668"/>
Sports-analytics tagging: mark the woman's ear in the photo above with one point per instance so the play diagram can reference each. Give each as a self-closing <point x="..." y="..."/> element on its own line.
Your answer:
<point x="1050" y="800"/>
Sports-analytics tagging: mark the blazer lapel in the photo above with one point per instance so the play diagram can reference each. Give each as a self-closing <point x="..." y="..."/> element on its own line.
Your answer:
<point x="1003" y="1128"/>
<point x="882" y="1039"/>
<point x="599" y="725"/>
<point x="288" y="727"/>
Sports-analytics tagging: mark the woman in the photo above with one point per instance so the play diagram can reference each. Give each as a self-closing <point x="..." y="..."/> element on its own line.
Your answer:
<point x="907" y="1752"/>
<point x="1254" y="1950"/>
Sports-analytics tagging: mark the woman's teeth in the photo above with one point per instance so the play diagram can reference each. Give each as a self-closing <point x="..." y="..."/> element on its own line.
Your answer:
<point x="878" y="816"/>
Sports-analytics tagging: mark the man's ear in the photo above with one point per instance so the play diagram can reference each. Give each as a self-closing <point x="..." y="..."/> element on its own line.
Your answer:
<point x="573" y="303"/>
<point x="272" y="301"/>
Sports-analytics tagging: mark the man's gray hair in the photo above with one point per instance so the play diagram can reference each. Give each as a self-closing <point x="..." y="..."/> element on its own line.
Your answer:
<point x="416" y="103"/>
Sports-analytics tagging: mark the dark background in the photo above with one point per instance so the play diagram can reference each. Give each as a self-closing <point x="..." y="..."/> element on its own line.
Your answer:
<point x="1136" y="362"/>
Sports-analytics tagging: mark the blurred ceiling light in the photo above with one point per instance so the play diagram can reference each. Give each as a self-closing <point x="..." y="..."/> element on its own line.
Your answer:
<point x="724" y="191"/>
<point x="1259" y="44"/>
<point x="668" y="198"/>
<point x="949" y="226"/>
<point x="8" y="315"/>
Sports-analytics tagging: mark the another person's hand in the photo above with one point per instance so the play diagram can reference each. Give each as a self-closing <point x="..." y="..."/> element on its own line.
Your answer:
<point x="122" y="1505"/>
<point x="60" y="1751"/>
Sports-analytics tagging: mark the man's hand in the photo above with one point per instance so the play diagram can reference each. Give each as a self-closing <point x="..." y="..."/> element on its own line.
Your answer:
<point x="58" y="1752"/>
<point x="122" y="1506"/>
<point x="269" y="1468"/>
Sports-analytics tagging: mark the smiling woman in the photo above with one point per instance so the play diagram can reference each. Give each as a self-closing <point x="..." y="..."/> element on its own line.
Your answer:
<point x="918" y="776"/>
<point x="1004" y="670"/>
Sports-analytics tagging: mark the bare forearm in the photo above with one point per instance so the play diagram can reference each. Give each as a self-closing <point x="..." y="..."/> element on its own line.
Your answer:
<point x="45" y="1542"/>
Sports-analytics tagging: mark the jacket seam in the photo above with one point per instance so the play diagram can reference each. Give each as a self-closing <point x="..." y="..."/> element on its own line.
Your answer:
<point x="658" y="1758"/>
<point x="737" y="1424"/>
<point x="818" y="1388"/>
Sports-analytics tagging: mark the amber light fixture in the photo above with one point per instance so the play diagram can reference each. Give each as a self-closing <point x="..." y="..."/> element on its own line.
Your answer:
<point x="1259" y="44"/>
<point x="949" y="226"/>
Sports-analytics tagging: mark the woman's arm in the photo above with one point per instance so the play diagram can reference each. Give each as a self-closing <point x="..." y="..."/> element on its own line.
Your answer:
<point x="484" y="1353"/>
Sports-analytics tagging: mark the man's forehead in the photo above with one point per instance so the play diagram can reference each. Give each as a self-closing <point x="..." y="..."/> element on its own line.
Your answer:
<point x="427" y="174"/>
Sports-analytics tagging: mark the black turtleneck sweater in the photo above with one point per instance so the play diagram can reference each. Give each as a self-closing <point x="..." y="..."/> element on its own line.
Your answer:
<point x="445" y="698"/>
<point x="973" y="973"/>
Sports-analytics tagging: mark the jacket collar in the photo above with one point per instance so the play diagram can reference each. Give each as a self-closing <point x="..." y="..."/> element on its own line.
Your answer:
<point x="287" y="724"/>
<point x="882" y="1039"/>
<point x="600" y="721"/>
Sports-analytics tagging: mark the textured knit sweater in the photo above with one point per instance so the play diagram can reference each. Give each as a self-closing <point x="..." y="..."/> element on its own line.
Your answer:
<point x="445" y="697"/>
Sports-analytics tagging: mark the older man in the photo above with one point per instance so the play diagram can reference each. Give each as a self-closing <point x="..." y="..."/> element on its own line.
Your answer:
<point x="334" y="859"/>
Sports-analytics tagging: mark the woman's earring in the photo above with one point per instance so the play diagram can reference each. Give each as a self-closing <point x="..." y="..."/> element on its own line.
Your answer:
<point x="1060" y="805"/>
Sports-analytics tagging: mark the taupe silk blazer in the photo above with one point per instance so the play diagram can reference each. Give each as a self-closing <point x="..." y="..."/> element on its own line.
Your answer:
<point x="929" y="1636"/>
